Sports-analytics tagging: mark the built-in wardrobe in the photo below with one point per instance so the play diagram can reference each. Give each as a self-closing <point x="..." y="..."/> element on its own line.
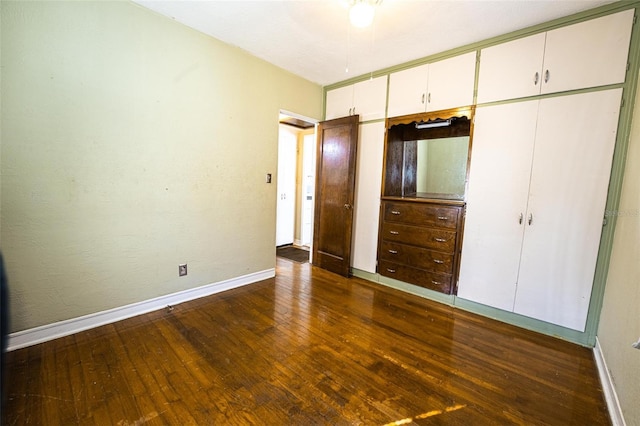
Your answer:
<point x="528" y="125"/>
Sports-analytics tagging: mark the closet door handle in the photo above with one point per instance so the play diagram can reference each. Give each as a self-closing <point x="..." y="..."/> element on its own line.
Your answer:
<point x="536" y="78"/>
<point x="547" y="76"/>
<point x="530" y="220"/>
<point x="520" y="219"/>
<point x="347" y="206"/>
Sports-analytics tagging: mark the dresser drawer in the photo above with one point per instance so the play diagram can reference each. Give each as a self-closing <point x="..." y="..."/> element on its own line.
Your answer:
<point x="416" y="276"/>
<point x="417" y="257"/>
<point x="436" y="239"/>
<point x="421" y="214"/>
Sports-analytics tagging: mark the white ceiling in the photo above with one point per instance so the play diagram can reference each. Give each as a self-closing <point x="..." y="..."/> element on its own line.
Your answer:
<point x="312" y="38"/>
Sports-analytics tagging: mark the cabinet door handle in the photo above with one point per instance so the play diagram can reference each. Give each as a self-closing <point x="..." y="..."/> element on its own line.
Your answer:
<point x="354" y="111"/>
<point x="520" y="219"/>
<point x="423" y="98"/>
<point x="393" y="251"/>
<point x="547" y="76"/>
<point x="530" y="218"/>
<point x="396" y="212"/>
<point x="394" y="232"/>
<point x="440" y="240"/>
<point x="393" y="271"/>
<point x="438" y="261"/>
<point x="443" y="218"/>
<point x="429" y="98"/>
<point x="536" y="77"/>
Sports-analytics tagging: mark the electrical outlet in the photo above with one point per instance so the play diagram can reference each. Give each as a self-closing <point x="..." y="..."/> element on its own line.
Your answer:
<point x="182" y="270"/>
<point x="268" y="178"/>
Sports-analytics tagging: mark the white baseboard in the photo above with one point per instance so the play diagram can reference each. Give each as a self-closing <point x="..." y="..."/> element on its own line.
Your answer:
<point x="48" y="332"/>
<point x="610" y="395"/>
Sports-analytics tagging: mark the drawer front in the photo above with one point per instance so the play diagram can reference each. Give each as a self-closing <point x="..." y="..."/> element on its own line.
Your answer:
<point x="436" y="239"/>
<point x="421" y="214"/>
<point x="419" y="277"/>
<point x="426" y="259"/>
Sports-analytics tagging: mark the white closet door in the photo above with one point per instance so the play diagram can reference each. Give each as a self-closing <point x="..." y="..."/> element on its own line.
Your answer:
<point x="408" y="91"/>
<point x="370" y="98"/>
<point x="569" y="182"/>
<point x="588" y="54"/>
<point x="339" y="102"/>
<point x="367" y="198"/>
<point x="501" y="157"/>
<point x="508" y="70"/>
<point x="451" y="82"/>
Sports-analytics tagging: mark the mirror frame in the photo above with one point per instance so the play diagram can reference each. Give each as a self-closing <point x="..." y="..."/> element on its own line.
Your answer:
<point x="393" y="185"/>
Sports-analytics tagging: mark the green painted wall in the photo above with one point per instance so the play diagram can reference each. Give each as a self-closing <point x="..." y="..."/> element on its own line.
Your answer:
<point x="130" y="144"/>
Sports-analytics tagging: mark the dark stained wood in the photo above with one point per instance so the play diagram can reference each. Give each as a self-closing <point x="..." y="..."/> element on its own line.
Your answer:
<point x="306" y="348"/>
<point x="400" y="148"/>
<point x="335" y="193"/>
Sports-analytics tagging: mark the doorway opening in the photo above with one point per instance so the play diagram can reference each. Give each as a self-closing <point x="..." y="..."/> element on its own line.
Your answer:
<point x="295" y="186"/>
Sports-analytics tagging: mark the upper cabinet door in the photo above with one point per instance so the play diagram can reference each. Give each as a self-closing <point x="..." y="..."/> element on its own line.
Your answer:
<point x="370" y="98"/>
<point x="367" y="98"/>
<point x="451" y="82"/>
<point x="339" y="102"/>
<point x="408" y="91"/>
<point x="511" y="70"/>
<point x="588" y="54"/>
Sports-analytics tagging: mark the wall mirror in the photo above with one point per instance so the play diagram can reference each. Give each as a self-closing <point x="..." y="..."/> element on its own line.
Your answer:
<point x="427" y="155"/>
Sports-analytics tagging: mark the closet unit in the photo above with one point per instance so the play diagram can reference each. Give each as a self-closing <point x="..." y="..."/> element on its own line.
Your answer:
<point x="535" y="207"/>
<point x="531" y="203"/>
<point x="439" y="85"/>
<point x="366" y="98"/>
<point x="588" y="54"/>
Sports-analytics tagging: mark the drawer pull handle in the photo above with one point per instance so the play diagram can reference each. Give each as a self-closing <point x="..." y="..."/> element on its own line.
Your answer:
<point x="439" y="262"/>
<point x="440" y="240"/>
<point x="436" y="282"/>
<point x="443" y="218"/>
<point x="393" y="271"/>
<point x="396" y="212"/>
<point x="394" y="232"/>
<point x="393" y="251"/>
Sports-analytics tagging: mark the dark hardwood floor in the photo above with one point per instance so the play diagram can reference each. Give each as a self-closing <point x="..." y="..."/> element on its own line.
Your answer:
<point x="306" y="348"/>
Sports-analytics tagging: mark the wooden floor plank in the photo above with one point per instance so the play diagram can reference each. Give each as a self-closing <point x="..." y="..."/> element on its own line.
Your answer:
<point x="306" y="348"/>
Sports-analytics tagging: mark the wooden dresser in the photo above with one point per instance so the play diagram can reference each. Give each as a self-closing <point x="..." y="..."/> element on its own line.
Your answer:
<point x="420" y="243"/>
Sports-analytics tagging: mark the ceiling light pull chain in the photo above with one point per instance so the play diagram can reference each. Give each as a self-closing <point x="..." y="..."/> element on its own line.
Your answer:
<point x="346" y="68"/>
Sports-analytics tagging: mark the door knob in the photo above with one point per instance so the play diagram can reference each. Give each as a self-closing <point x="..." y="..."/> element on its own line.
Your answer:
<point x="347" y="206"/>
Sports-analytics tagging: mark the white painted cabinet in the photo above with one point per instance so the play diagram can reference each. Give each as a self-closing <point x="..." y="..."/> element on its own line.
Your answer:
<point x="588" y="54"/>
<point x="497" y="195"/>
<point x="366" y="98"/>
<point x="531" y="244"/>
<point x="431" y="87"/>
<point x="367" y="197"/>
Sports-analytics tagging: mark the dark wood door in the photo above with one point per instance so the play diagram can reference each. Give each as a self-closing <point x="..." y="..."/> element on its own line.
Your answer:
<point x="335" y="187"/>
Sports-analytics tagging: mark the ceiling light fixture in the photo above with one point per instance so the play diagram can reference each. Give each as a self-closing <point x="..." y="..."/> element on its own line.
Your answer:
<point x="361" y="12"/>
